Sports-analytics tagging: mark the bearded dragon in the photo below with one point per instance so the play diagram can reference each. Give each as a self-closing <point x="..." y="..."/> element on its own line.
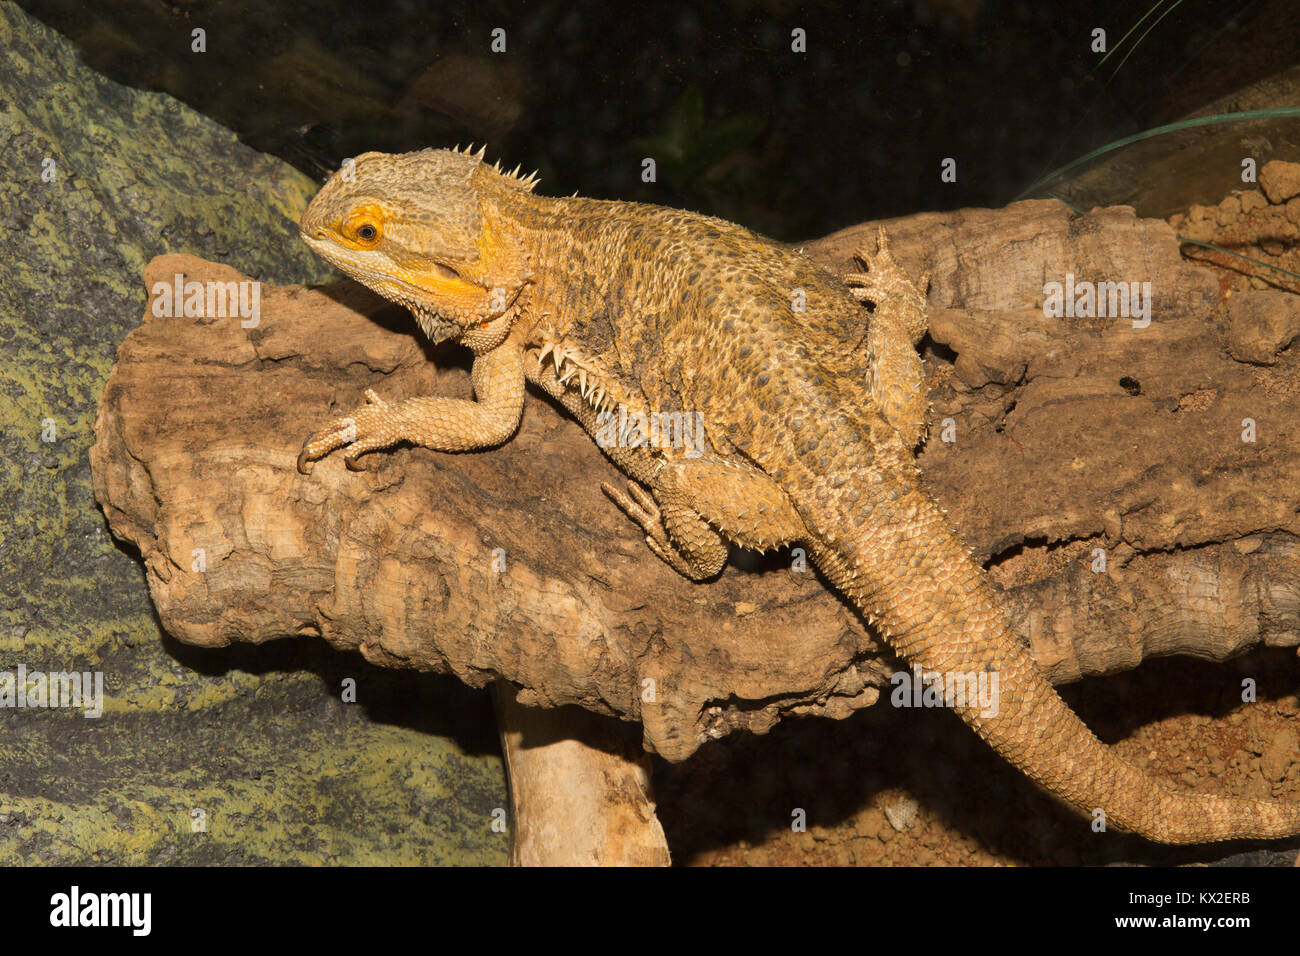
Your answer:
<point x="607" y="304"/>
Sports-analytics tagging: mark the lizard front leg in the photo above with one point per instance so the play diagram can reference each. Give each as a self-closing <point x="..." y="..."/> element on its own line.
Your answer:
<point x="697" y="505"/>
<point x="444" y="424"/>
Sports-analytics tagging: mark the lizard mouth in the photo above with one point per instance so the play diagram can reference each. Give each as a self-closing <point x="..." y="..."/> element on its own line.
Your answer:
<point x="435" y="326"/>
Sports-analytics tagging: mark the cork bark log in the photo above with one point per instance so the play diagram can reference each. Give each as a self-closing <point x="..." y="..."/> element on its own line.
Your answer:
<point x="1100" y="467"/>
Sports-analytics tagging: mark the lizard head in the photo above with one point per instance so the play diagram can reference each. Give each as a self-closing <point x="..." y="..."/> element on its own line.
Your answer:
<point x="419" y="229"/>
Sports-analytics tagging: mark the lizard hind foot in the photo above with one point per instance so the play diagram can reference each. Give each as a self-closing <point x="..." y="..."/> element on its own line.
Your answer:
<point x="700" y="560"/>
<point x="883" y="278"/>
<point x="641" y="507"/>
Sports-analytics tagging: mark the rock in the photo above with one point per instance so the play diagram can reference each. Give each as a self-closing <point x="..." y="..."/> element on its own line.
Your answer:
<point x="1228" y="210"/>
<point x="1280" y="181"/>
<point x="1293" y="211"/>
<point x="1252" y="200"/>
<point x="869" y="823"/>
<point x="1261" y="323"/>
<point x="95" y="180"/>
<point x="1279" y="754"/>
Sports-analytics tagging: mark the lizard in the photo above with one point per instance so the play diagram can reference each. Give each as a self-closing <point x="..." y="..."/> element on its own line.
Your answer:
<point x="606" y="305"/>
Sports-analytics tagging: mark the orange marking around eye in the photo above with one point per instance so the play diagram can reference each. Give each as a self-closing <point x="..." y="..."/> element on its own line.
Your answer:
<point x="365" y="215"/>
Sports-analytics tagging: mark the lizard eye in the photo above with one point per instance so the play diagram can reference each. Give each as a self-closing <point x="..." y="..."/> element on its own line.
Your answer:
<point x="447" y="272"/>
<point x="363" y="228"/>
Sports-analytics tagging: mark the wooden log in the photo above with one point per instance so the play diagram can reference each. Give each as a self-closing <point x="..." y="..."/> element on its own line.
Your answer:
<point x="1055" y="441"/>
<point x="580" y="792"/>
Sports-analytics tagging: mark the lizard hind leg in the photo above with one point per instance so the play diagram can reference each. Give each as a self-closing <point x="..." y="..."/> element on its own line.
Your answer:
<point x="895" y="373"/>
<point x="697" y="505"/>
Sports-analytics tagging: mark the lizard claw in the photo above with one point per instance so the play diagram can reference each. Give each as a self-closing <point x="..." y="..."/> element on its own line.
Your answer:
<point x="304" y="458"/>
<point x="644" y="511"/>
<point x="883" y="277"/>
<point x="367" y="429"/>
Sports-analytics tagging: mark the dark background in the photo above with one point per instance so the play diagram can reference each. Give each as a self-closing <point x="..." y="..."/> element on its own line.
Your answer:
<point x="794" y="145"/>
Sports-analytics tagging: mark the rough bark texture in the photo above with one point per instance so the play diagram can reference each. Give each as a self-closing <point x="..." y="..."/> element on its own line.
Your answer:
<point x="1050" y="438"/>
<point x="580" y="791"/>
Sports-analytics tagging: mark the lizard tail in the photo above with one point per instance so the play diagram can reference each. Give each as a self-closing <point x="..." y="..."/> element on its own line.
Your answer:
<point x="889" y="547"/>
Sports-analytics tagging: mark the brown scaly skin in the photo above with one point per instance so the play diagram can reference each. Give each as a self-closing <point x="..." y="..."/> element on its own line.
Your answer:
<point x="603" y="304"/>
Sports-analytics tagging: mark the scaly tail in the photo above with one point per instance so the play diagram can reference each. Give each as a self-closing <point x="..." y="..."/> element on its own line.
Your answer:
<point x="885" y="544"/>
